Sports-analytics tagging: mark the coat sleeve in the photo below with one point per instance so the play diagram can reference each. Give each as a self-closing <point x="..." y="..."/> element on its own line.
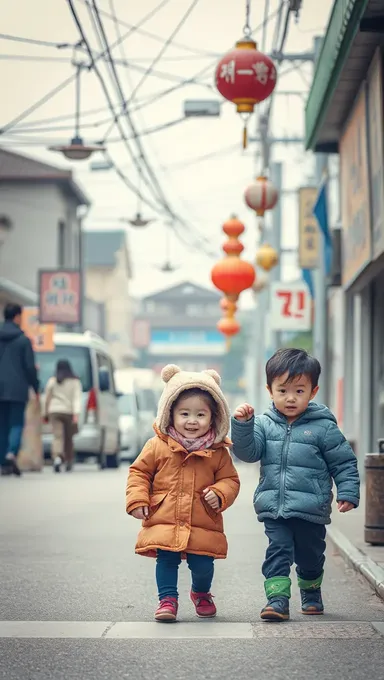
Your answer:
<point x="248" y="439"/>
<point x="227" y="483"/>
<point x="29" y="365"/>
<point x="342" y="465"/>
<point x="141" y="474"/>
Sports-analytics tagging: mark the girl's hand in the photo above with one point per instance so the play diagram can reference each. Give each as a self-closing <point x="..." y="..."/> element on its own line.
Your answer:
<point x="75" y="419"/>
<point x="244" y="412"/>
<point x="345" y="506"/>
<point x="140" y="513"/>
<point x="212" y="499"/>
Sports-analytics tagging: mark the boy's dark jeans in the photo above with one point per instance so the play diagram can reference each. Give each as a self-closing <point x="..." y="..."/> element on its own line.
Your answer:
<point x="294" y="541"/>
<point x="167" y="565"/>
<point x="11" y="428"/>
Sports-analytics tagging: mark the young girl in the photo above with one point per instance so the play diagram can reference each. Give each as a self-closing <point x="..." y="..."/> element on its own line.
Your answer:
<point x="62" y="407"/>
<point x="181" y="484"/>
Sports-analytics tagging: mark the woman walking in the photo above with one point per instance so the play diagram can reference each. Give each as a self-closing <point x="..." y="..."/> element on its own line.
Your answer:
<point x="62" y="407"/>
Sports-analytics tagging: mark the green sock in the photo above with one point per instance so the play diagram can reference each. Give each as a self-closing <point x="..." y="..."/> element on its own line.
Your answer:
<point x="310" y="585"/>
<point x="278" y="585"/>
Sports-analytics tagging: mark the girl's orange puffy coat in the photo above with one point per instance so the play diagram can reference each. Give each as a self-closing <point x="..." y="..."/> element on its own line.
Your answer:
<point x="171" y="481"/>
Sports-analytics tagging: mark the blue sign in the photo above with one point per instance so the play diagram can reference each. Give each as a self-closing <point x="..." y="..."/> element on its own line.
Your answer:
<point x="186" y="337"/>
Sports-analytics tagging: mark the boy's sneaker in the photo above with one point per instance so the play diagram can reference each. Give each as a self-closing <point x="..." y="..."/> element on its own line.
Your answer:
<point x="276" y="609"/>
<point x="204" y="605"/>
<point x="312" y="602"/>
<point x="167" y="610"/>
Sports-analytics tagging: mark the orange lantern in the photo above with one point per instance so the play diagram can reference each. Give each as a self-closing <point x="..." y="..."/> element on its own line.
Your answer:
<point x="232" y="275"/>
<point x="267" y="257"/>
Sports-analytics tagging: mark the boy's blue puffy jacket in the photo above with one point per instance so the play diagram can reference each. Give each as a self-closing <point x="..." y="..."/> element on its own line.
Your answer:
<point x="298" y="462"/>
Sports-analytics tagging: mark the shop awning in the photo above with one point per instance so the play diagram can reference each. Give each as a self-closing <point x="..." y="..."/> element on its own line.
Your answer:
<point x="12" y="292"/>
<point x="354" y="31"/>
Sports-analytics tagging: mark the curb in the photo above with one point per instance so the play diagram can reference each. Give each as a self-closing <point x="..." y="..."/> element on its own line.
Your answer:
<point x="373" y="573"/>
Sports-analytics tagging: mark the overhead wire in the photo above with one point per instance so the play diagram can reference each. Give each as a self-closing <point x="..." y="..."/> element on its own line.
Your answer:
<point x="142" y="157"/>
<point x="157" y="58"/>
<point x="72" y="78"/>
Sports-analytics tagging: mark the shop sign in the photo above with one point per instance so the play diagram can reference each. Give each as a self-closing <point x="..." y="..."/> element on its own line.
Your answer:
<point x="376" y="152"/>
<point x="355" y="192"/>
<point x="309" y="238"/>
<point x="60" y="296"/>
<point x="291" y="307"/>
<point x="40" y="335"/>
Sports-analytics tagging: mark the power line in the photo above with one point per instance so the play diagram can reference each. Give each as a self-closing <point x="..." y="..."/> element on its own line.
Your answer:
<point x="32" y="41"/>
<point x="149" y="70"/>
<point x="66" y="82"/>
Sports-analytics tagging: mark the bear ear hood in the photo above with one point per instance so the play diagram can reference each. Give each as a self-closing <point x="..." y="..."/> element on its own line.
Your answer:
<point x="177" y="381"/>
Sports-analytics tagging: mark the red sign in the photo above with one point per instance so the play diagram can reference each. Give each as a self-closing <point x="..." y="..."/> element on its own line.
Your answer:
<point x="291" y="307"/>
<point x="41" y="336"/>
<point x="60" y="296"/>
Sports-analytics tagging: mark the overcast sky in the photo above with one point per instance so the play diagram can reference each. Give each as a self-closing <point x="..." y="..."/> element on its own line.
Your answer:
<point x="203" y="191"/>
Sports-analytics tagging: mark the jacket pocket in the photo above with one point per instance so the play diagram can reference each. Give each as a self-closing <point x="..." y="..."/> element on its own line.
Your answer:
<point x="322" y="494"/>
<point x="210" y="511"/>
<point x="155" y="501"/>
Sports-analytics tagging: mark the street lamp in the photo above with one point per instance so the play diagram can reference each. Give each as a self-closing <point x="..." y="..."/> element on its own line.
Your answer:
<point x="77" y="150"/>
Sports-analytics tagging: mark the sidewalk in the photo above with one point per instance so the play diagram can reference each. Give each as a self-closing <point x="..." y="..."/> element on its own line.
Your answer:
<point x="347" y="534"/>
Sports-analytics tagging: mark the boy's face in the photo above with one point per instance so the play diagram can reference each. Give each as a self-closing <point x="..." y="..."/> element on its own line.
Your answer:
<point x="292" y="398"/>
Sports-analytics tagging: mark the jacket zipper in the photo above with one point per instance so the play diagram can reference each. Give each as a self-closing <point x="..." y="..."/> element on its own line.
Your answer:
<point x="283" y="470"/>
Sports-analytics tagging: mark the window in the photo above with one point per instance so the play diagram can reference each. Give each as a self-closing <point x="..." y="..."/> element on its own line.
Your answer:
<point x="61" y="245"/>
<point x="104" y="363"/>
<point x="78" y="357"/>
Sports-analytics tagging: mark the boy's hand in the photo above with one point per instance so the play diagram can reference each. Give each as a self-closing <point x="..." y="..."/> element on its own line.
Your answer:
<point x="345" y="506"/>
<point x="212" y="499"/>
<point x="140" y="513"/>
<point x="244" y="412"/>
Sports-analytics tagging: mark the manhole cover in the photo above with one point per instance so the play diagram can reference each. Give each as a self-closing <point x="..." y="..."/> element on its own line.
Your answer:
<point x="315" y="630"/>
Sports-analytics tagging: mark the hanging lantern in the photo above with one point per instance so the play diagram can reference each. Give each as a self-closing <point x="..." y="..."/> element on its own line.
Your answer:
<point x="232" y="275"/>
<point x="245" y="77"/>
<point x="261" y="196"/>
<point x="267" y="257"/>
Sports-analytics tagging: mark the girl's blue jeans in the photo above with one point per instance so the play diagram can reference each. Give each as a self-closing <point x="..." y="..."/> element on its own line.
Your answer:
<point x="167" y="566"/>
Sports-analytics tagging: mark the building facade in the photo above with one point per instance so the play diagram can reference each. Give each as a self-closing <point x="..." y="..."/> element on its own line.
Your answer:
<point x="178" y="325"/>
<point x="107" y="277"/>
<point x="344" y="116"/>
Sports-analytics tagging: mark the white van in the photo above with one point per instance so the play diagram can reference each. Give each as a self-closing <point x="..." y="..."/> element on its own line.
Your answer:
<point x="129" y="420"/>
<point x="143" y="381"/>
<point x="89" y="356"/>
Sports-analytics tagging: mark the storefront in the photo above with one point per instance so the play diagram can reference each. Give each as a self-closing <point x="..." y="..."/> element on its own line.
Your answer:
<point x="344" y="115"/>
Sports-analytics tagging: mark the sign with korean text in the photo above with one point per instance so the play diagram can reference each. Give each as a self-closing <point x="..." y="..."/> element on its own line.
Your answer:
<point x="40" y="335"/>
<point x="376" y="152"/>
<point x="355" y="208"/>
<point x="291" y="306"/>
<point x="60" y="296"/>
<point x="309" y="237"/>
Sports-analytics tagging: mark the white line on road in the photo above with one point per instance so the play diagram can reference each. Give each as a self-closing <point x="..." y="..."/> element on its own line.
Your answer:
<point x="125" y="630"/>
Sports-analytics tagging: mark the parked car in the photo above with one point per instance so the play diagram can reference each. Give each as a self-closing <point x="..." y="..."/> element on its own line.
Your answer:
<point x="128" y="379"/>
<point x="129" y="426"/>
<point x="99" y="433"/>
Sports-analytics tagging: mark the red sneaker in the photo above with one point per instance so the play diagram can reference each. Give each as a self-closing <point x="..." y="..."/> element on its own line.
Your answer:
<point x="167" y="609"/>
<point x="204" y="605"/>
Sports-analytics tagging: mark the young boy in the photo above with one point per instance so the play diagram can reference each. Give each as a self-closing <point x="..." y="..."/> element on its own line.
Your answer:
<point x="301" y="450"/>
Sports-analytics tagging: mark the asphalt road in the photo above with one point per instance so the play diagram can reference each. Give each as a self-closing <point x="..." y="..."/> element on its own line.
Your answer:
<point x="76" y="603"/>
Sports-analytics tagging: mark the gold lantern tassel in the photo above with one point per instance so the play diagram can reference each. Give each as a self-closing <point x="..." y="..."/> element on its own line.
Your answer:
<point x="245" y="136"/>
<point x="228" y="344"/>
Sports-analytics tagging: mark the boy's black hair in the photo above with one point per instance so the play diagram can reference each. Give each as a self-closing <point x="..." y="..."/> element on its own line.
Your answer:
<point x="295" y="362"/>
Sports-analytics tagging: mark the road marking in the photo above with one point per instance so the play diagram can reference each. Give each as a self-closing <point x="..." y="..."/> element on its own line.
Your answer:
<point x="125" y="630"/>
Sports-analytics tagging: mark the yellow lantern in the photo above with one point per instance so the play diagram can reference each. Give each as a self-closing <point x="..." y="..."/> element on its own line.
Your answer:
<point x="267" y="257"/>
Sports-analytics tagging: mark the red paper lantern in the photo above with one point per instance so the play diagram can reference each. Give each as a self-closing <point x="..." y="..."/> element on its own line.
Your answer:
<point x="261" y="195"/>
<point x="245" y="76"/>
<point x="232" y="275"/>
<point x="228" y="326"/>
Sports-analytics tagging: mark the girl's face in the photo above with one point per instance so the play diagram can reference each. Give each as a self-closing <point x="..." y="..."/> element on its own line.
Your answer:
<point x="192" y="417"/>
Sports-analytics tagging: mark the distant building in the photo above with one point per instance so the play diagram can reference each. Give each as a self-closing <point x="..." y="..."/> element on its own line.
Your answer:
<point x="178" y="325"/>
<point x="40" y="228"/>
<point x="107" y="276"/>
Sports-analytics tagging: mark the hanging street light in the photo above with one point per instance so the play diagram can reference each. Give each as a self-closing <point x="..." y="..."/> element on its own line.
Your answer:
<point x="77" y="150"/>
<point x="245" y="76"/>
